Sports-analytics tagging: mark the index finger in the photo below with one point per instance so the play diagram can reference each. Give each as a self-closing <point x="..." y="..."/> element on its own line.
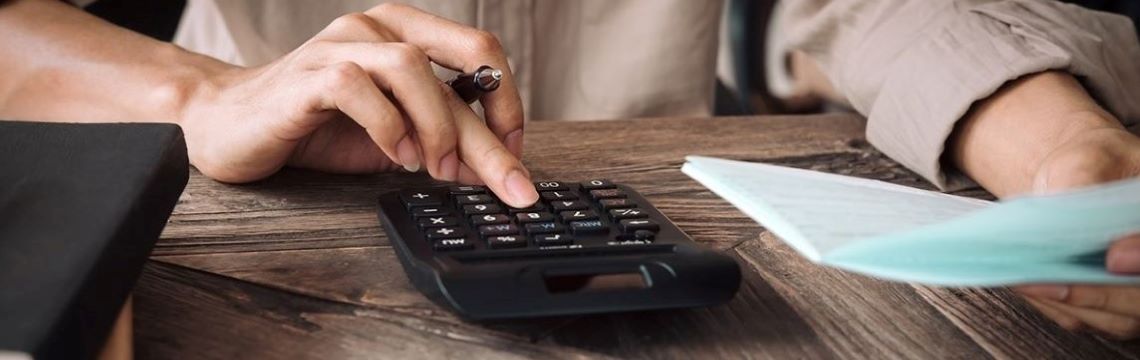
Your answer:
<point x="465" y="49"/>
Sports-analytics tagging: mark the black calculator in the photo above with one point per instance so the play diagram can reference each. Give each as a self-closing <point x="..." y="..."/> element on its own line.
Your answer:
<point x="589" y="247"/>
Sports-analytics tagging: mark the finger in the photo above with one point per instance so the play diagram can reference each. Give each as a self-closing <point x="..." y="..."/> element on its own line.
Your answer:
<point x="1124" y="255"/>
<point x="489" y="159"/>
<point x="468" y="176"/>
<point x="464" y="49"/>
<point x="348" y="88"/>
<point x="1058" y="316"/>
<point x="1123" y="300"/>
<point x="404" y="71"/>
<point x="1044" y="291"/>
<point x="1115" y="325"/>
<point x="354" y="27"/>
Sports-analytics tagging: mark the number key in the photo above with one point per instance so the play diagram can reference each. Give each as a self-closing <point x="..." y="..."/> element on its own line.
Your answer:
<point x="489" y="219"/>
<point x="529" y="217"/>
<point x="597" y="184"/>
<point x="568" y="205"/>
<point x="575" y="215"/>
<point x="480" y="209"/>
<point x="474" y="199"/>
<point x="558" y="195"/>
<point x="549" y="185"/>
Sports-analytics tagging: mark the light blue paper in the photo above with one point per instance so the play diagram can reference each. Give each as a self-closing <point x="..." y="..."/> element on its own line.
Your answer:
<point x="906" y="234"/>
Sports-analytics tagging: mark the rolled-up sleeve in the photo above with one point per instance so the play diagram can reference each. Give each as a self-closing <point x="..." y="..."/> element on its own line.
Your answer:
<point x="914" y="67"/>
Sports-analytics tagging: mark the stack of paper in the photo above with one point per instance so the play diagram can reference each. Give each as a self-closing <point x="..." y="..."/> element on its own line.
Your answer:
<point x="906" y="234"/>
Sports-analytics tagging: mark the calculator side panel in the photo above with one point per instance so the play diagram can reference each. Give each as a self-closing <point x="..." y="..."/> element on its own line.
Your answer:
<point x="412" y="250"/>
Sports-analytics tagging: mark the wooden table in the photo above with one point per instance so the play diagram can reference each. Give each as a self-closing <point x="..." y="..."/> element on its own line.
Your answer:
<point x="297" y="266"/>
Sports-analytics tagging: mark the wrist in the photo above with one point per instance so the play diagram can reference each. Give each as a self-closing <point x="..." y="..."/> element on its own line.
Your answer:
<point x="1006" y="138"/>
<point x="1089" y="157"/>
<point x="193" y="77"/>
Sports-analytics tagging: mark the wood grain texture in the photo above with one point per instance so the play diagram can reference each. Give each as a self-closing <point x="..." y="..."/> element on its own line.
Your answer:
<point x="296" y="266"/>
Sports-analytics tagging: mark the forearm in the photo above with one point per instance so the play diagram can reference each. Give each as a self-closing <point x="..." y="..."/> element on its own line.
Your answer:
<point x="61" y="64"/>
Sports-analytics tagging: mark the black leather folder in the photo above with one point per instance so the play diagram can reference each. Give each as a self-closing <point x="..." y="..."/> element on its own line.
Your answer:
<point x="81" y="206"/>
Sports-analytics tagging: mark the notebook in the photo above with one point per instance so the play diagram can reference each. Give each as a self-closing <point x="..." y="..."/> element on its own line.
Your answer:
<point x="906" y="234"/>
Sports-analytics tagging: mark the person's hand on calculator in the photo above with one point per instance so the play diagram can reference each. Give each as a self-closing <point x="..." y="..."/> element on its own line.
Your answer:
<point x="358" y="97"/>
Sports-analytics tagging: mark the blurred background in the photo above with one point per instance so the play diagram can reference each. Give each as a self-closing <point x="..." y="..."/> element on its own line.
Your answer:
<point x="741" y="90"/>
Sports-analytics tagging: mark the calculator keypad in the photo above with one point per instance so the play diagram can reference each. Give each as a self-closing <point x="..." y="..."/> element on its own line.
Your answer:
<point x="461" y="218"/>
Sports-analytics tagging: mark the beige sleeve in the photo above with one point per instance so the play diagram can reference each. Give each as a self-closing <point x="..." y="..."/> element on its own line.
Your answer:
<point x="914" y="67"/>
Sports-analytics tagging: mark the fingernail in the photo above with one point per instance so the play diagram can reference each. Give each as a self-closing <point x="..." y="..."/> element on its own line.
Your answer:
<point x="407" y="154"/>
<point x="514" y="142"/>
<point x="1051" y="292"/>
<point x="1124" y="259"/>
<point x="449" y="167"/>
<point x="520" y="188"/>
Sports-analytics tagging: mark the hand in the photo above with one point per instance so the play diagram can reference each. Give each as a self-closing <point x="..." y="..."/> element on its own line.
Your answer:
<point x="360" y="96"/>
<point x="1089" y="158"/>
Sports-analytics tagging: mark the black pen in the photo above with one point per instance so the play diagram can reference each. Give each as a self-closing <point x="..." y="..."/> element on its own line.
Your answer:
<point x="471" y="86"/>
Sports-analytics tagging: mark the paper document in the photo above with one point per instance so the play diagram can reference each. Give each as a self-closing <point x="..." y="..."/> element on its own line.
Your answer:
<point x="901" y="233"/>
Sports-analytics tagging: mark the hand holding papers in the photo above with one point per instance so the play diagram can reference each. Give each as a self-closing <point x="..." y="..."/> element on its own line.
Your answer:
<point x="906" y="234"/>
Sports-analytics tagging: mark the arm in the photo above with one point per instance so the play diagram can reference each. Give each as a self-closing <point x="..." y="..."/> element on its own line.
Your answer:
<point x="358" y="97"/>
<point x="62" y="64"/>
<point x="987" y="90"/>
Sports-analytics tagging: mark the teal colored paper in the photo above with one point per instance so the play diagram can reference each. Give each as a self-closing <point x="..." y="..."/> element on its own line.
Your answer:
<point x="905" y="234"/>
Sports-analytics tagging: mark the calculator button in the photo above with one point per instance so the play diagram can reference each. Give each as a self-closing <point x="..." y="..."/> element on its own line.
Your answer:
<point x="420" y="198"/>
<point x="474" y="199"/>
<point x="480" y="209"/>
<point x="632" y="213"/>
<point x="597" y="184"/>
<point x="506" y="241"/>
<point x="467" y="190"/>
<point x="489" y="219"/>
<point x="606" y="194"/>
<point x="445" y="232"/>
<point x="550" y="185"/>
<point x="453" y="244"/>
<point x="558" y="195"/>
<point x="575" y="215"/>
<point x="608" y="204"/>
<point x="553" y="239"/>
<point x="537" y="207"/>
<point x="645" y="235"/>
<point x="544" y="228"/>
<point x="588" y="226"/>
<point x="438" y="221"/>
<point x="429" y="211"/>
<point x="529" y="217"/>
<point x="559" y="206"/>
<point x="630" y="226"/>
<point x="500" y="229"/>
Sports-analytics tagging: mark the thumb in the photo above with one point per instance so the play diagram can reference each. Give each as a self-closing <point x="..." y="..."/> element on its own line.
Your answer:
<point x="1124" y="255"/>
